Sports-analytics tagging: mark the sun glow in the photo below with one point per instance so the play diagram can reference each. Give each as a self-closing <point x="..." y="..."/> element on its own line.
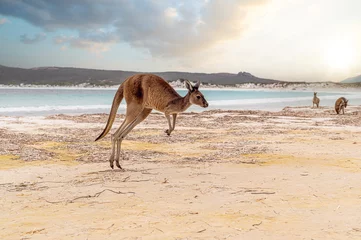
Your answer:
<point x="339" y="54"/>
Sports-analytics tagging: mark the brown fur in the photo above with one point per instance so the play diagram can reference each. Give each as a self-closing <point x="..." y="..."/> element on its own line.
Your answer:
<point x="143" y="93"/>
<point x="341" y="104"/>
<point x="316" y="100"/>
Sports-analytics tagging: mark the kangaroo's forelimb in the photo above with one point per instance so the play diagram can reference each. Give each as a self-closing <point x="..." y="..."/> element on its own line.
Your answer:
<point x="171" y="128"/>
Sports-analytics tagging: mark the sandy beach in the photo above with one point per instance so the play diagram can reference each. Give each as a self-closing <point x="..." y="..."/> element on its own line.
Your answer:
<point x="292" y="174"/>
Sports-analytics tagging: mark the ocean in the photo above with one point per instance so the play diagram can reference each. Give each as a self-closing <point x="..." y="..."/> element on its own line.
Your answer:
<point x="25" y="101"/>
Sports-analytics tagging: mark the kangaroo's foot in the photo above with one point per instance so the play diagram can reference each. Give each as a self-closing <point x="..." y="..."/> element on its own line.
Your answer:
<point x="118" y="165"/>
<point x="168" y="132"/>
<point x="117" y="161"/>
<point x="111" y="161"/>
<point x="124" y="157"/>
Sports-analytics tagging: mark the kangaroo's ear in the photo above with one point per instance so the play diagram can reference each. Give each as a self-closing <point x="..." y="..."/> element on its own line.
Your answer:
<point x="189" y="85"/>
<point x="196" y="86"/>
<point x="346" y="100"/>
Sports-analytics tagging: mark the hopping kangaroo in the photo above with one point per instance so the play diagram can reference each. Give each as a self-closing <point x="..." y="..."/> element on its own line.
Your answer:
<point x="143" y="93"/>
<point x="316" y="100"/>
<point x="341" y="104"/>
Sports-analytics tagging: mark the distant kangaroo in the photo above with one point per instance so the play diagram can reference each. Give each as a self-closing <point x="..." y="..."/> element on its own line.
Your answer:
<point x="341" y="104"/>
<point x="316" y="100"/>
<point x="143" y="93"/>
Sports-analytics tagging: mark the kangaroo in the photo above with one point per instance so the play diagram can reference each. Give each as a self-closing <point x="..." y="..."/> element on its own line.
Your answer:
<point x="143" y="93"/>
<point x="341" y="104"/>
<point x="316" y="100"/>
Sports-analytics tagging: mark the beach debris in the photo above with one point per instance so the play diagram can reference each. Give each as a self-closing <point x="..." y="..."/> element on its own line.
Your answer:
<point x="256" y="224"/>
<point x="125" y="179"/>
<point x="35" y="231"/>
<point x="91" y="196"/>
<point x="193" y="213"/>
<point x="263" y="192"/>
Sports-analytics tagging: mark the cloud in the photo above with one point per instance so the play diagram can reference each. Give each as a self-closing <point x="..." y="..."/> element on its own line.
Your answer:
<point x="164" y="28"/>
<point x="93" y="44"/>
<point x="3" y="21"/>
<point x="171" y="12"/>
<point x="30" y="40"/>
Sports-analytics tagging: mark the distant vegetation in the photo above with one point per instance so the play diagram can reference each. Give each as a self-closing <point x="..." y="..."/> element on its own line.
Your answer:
<point x="76" y="76"/>
<point x="63" y="76"/>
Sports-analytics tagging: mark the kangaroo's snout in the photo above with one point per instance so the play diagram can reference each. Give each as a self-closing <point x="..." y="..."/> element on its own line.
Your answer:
<point x="205" y="104"/>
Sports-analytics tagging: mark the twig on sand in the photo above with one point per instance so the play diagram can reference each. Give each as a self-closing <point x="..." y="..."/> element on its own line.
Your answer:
<point x="165" y="180"/>
<point x="125" y="179"/>
<point x="98" y="194"/>
<point x="35" y="231"/>
<point x="252" y="191"/>
<point x="263" y="192"/>
<point x="237" y="192"/>
<point x="52" y="202"/>
<point x="110" y="226"/>
<point x="90" y="196"/>
<point x="207" y="223"/>
<point x="245" y="162"/>
<point x="202" y="230"/>
<point x="256" y="224"/>
<point x="141" y="180"/>
<point x="149" y="173"/>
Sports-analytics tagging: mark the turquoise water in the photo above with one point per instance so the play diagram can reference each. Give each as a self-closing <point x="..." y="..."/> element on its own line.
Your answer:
<point x="47" y="101"/>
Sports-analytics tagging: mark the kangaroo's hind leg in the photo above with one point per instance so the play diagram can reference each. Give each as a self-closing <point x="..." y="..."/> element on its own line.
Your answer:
<point x="114" y="141"/>
<point x="143" y="115"/>
<point x="132" y="112"/>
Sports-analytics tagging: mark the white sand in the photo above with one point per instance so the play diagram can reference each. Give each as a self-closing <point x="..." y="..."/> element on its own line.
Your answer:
<point x="221" y="175"/>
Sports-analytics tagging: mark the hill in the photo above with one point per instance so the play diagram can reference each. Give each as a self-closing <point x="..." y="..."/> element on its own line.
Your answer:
<point x="356" y="79"/>
<point x="75" y="76"/>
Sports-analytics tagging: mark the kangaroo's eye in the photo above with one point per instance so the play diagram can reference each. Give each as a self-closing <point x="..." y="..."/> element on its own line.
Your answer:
<point x="198" y="97"/>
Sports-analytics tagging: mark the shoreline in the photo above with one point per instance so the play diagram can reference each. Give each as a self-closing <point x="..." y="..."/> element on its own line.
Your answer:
<point x="298" y="87"/>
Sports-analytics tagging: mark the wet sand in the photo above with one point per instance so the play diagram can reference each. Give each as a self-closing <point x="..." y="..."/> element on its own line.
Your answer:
<point x="293" y="174"/>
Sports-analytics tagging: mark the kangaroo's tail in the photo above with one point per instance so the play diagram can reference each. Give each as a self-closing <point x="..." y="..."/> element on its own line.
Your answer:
<point x="337" y="108"/>
<point x="116" y="102"/>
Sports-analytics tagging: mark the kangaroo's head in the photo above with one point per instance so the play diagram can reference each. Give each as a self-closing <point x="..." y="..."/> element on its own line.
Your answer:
<point x="314" y="94"/>
<point x="195" y="96"/>
<point x="346" y="101"/>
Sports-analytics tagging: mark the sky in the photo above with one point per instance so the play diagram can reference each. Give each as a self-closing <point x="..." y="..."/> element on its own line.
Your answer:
<point x="291" y="40"/>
